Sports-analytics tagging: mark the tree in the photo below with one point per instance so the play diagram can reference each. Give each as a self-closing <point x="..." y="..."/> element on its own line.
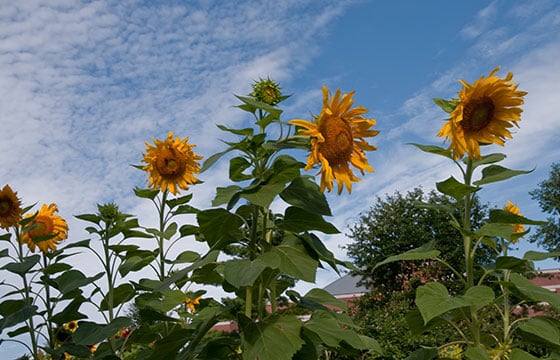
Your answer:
<point x="392" y="226"/>
<point x="548" y="196"/>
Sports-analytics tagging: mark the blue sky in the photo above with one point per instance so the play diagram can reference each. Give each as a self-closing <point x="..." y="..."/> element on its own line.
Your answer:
<point x="84" y="84"/>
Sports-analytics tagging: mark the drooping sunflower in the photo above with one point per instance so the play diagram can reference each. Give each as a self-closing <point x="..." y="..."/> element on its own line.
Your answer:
<point x="337" y="140"/>
<point x="514" y="209"/>
<point x="10" y="208"/>
<point x="485" y="112"/>
<point x="46" y="230"/>
<point x="171" y="164"/>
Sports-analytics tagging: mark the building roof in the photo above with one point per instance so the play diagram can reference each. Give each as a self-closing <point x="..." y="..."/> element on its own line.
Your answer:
<point x="346" y="285"/>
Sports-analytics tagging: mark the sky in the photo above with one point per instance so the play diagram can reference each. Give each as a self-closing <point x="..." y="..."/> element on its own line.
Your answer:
<point x="84" y="84"/>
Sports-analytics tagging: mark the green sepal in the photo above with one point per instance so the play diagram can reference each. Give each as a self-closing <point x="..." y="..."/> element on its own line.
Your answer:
<point x="446" y="105"/>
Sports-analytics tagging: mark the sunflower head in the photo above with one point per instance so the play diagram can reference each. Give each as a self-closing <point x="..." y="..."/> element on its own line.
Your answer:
<point x="266" y="91"/>
<point x="192" y="302"/>
<point x="46" y="230"/>
<point x="71" y="326"/>
<point x="337" y="140"/>
<point x="171" y="164"/>
<point x="517" y="228"/>
<point x="485" y="112"/>
<point x="10" y="208"/>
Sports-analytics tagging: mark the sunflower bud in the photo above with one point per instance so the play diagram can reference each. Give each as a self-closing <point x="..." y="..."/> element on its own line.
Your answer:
<point x="266" y="91"/>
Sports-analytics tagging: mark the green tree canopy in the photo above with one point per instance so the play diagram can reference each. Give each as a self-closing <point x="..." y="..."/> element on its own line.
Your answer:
<point x="548" y="197"/>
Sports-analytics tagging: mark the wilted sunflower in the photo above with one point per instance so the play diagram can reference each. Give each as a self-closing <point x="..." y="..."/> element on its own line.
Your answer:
<point x="337" y="140"/>
<point x="10" y="208"/>
<point x="484" y="113"/>
<point x="192" y="302"/>
<point x="171" y="164"/>
<point x="46" y="230"/>
<point x="514" y="209"/>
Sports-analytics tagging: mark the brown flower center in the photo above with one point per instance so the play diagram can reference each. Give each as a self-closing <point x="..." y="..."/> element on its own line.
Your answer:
<point x="5" y="205"/>
<point x="42" y="225"/>
<point x="338" y="145"/>
<point x="170" y="162"/>
<point x="477" y="114"/>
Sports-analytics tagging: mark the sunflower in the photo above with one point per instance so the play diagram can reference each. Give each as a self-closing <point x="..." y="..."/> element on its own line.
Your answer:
<point x="337" y="140"/>
<point x="514" y="209"/>
<point x="10" y="208"/>
<point x="192" y="302"/>
<point x="71" y="326"/>
<point x="46" y="230"/>
<point x="484" y="113"/>
<point x="171" y="164"/>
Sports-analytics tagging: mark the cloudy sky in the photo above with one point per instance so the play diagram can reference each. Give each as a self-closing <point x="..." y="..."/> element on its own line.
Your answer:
<point x="84" y="84"/>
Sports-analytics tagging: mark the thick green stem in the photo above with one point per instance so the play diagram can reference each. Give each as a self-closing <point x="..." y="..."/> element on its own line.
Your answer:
<point x="249" y="301"/>
<point x="162" y="274"/>
<point x="49" y="307"/>
<point x="110" y="284"/>
<point x="27" y="298"/>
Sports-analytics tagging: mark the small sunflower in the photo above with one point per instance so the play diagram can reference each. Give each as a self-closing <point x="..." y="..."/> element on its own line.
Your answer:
<point x="46" y="230"/>
<point x="192" y="302"/>
<point x="267" y="91"/>
<point x="10" y="208"/>
<point x="484" y="113"/>
<point x="514" y="209"/>
<point x="453" y="351"/>
<point x="71" y="326"/>
<point x="171" y="164"/>
<point x="337" y="140"/>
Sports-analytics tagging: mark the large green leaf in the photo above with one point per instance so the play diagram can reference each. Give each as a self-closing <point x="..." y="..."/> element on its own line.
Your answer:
<point x="21" y="268"/>
<point x="455" y="189"/>
<point x="187" y="256"/>
<point x="74" y="279"/>
<point x="244" y="272"/>
<point x="298" y="220"/>
<point x="146" y="193"/>
<point x="494" y="173"/>
<point x="313" y="243"/>
<point x="15" y="312"/>
<point x="325" y="326"/>
<point x="294" y="259"/>
<point x="219" y="227"/>
<point x="89" y="333"/>
<point x="225" y="194"/>
<point x="306" y="194"/>
<point x="424" y="252"/>
<point x="275" y="338"/>
<point x="121" y="294"/>
<point x="505" y="231"/>
<point x="433" y="299"/>
<point x="538" y="256"/>
<point x="434" y="150"/>
<point x="323" y="297"/>
<point x="488" y="159"/>
<point x="70" y="312"/>
<point x="506" y="217"/>
<point x="518" y="354"/>
<point x="513" y="263"/>
<point x="473" y="353"/>
<point x="543" y="328"/>
<point x="136" y="260"/>
<point x="535" y="292"/>
<point x="237" y="166"/>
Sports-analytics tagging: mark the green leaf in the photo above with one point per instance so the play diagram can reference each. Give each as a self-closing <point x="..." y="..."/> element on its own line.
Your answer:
<point x="243" y="272"/>
<point x="504" y="231"/>
<point x="186" y="257"/>
<point x="170" y="231"/>
<point x="70" y="312"/>
<point x="323" y="297"/>
<point x="89" y="333"/>
<point x="169" y="346"/>
<point x="236" y="167"/>
<point x="15" y="312"/>
<point x="260" y="105"/>
<point x="179" y="201"/>
<point x="513" y="263"/>
<point x="494" y="173"/>
<point x="433" y="299"/>
<point x="146" y="193"/>
<point x="93" y="218"/>
<point x="120" y="295"/>
<point x="212" y="159"/>
<point x="313" y="243"/>
<point x="455" y="189"/>
<point x="298" y="220"/>
<point x="188" y="229"/>
<point x="219" y="227"/>
<point x="225" y="194"/>
<point x="502" y="216"/>
<point x="306" y="194"/>
<point x="294" y="259"/>
<point x="535" y="292"/>
<point x="538" y="256"/>
<point x="488" y="159"/>
<point x="423" y="354"/>
<point x="74" y="279"/>
<point x="434" y="150"/>
<point x="446" y="105"/>
<point x="244" y="132"/>
<point x="424" y="252"/>
<point x="56" y="268"/>
<point x="544" y="328"/>
<point x="275" y="338"/>
<point x="23" y="267"/>
<point x="476" y="354"/>
<point x="518" y="354"/>
<point x="136" y="260"/>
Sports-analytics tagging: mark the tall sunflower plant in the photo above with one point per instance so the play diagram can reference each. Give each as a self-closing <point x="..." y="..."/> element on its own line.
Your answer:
<point x="254" y="254"/>
<point x="43" y="293"/>
<point x="482" y="115"/>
